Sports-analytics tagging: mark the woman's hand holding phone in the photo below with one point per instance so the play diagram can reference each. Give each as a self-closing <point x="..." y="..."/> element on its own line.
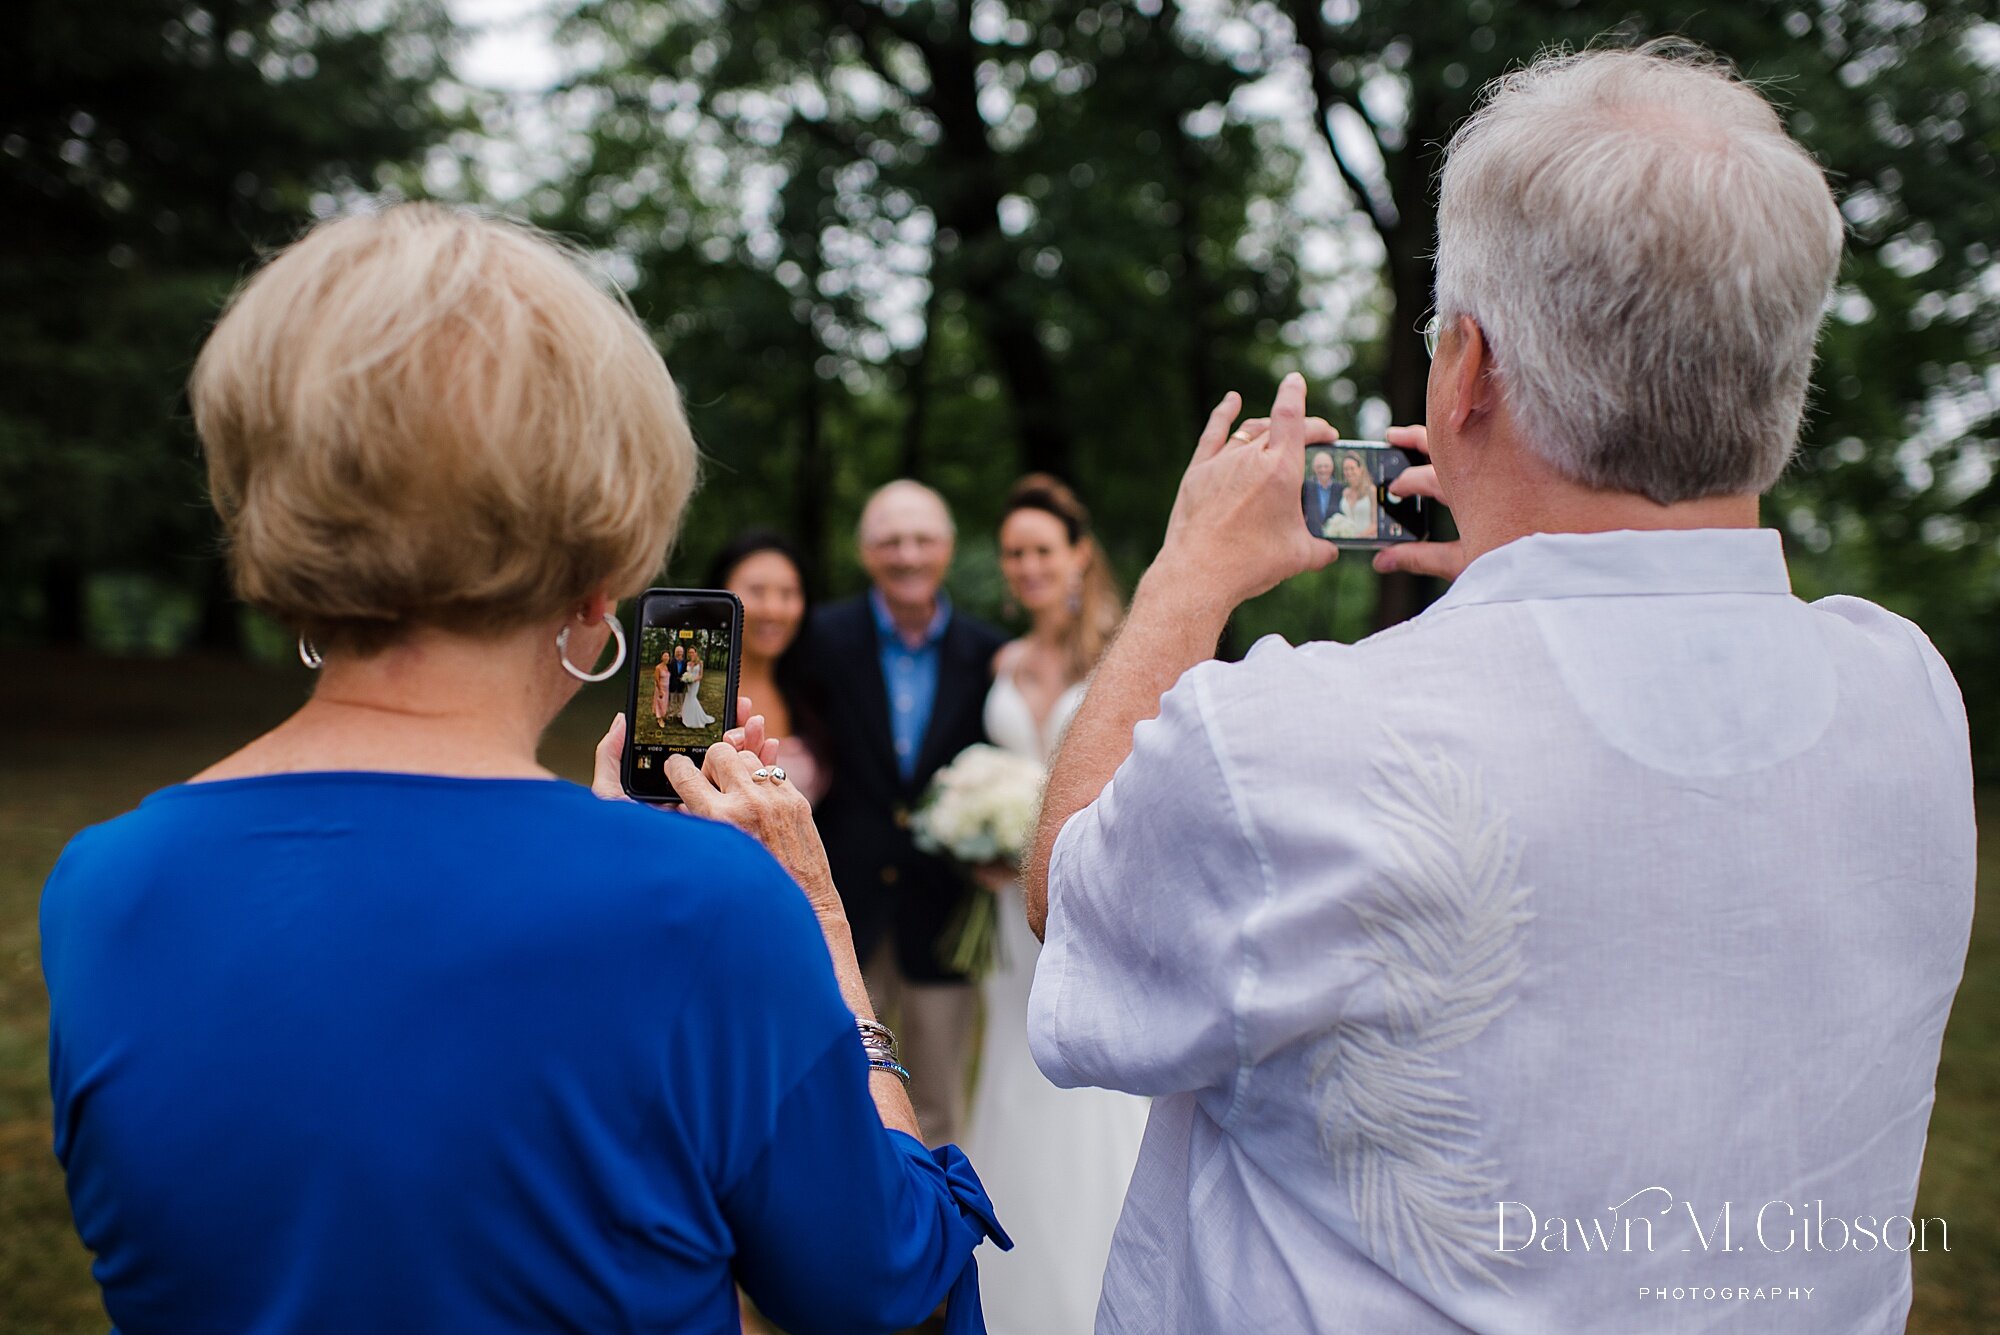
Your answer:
<point x="604" y="776"/>
<point x="724" y="787"/>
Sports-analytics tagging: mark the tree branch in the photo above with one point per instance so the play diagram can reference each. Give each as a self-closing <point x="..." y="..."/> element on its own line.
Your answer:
<point x="1312" y="41"/>
<point x="870" y="26"/>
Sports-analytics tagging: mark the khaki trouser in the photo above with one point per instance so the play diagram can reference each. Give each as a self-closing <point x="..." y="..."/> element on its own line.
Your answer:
<point x="934" y="1029"/>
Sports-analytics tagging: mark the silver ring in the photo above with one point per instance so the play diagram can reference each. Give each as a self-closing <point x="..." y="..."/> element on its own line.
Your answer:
<point x="761" y="775"/>
<point x="777" y="774"/>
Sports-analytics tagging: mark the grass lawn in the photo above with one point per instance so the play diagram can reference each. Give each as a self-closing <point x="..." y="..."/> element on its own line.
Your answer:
<point x="82" y="739"/>
<point x="670" y="731"/>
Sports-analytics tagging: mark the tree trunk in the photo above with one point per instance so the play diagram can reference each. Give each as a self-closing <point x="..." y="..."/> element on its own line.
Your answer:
<point x="1400" y="595"/>
<point x="63" y="603"/>
<point x="917" y="381"/>
<point x="219" y="628"/>
<point x="987" y="261"/>
<point x="1196" y="293"/>
<point x="1411" y="276"/>
<point x="812" y="485"/>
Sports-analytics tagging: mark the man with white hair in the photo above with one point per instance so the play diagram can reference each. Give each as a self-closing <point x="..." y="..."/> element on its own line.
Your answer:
<point x="903" y="676"/>
<point x="1596" y="981"/>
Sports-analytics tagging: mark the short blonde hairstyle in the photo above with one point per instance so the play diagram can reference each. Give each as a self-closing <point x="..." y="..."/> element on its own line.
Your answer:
<point x="424" y="417"/>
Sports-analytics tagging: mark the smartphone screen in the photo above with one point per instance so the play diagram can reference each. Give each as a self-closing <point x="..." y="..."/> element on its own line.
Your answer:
<point x="1346" y="496"/>
<point x="683" y="683"/>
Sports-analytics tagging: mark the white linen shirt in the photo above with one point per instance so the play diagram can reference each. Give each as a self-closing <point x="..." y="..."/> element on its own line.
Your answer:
<point x="1487" y="971"/>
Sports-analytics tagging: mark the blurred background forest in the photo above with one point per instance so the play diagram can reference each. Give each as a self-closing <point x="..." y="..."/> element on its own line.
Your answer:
<point x="951" y="240"/>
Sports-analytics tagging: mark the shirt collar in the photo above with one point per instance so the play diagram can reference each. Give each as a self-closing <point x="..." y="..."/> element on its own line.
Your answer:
<point x="1624" y="564"/>
<point x="886" y="624"/>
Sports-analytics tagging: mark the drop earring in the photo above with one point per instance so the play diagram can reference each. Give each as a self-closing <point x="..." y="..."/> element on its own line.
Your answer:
<point x="309" y="655"/>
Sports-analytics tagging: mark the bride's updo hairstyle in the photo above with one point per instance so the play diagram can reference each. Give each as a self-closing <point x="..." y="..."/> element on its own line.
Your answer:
<point x="424" y="417"/>
<point x="1098" y="607"/>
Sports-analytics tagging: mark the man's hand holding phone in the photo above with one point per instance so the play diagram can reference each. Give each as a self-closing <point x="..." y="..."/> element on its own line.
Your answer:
<point x="1235" y="530"/>
<point x="1443" y="559"/>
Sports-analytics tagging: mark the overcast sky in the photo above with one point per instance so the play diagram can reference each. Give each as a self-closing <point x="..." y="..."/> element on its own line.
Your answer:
<point x="511" y="48"/>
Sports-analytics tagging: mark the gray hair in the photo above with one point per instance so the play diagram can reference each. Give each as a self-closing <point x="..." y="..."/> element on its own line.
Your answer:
<point x="1649" y="255"/>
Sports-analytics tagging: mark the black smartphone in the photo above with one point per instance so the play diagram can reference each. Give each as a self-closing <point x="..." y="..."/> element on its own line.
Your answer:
<point x="683" y="683"/>
<point x="1346" y="496"/>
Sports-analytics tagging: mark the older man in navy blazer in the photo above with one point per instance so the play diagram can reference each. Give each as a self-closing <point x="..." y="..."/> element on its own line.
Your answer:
<point x="905" y="678"/>
<point x="1320" y="497"/>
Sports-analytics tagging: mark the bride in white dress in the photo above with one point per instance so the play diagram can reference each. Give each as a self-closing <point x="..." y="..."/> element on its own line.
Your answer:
<point x="1356" y="516"/>
<point x="692" y="714"/>
<point x="1055" y="1161"/>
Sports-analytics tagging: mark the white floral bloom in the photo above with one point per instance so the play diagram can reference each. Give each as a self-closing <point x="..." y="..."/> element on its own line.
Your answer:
<point x="981" y="807"/>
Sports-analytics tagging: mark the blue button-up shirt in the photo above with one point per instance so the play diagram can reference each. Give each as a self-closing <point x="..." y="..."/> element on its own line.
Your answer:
<point x="911" y="677"/>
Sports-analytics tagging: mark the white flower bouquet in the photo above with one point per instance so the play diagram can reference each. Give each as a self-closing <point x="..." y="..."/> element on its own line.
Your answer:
<point x="979" y="809"/>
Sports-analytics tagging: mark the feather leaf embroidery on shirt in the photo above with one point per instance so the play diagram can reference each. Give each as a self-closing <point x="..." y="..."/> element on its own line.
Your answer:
<point x="1446" y="932"/>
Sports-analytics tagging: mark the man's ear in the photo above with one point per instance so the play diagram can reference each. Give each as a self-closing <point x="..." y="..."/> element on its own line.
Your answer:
<point x="1472" y="378"/>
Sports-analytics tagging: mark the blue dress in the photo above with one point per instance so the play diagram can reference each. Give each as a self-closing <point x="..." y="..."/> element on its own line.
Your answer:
<point x="351" y="1051"/>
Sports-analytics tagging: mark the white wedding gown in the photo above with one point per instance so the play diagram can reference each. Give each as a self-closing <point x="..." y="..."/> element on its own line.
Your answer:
<point x="1055" y="1161"/>
<point x="692" y="714"/>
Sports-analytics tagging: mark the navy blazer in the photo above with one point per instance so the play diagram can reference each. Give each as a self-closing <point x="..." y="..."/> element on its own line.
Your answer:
<point x="891" y="890"/>
<point x="1317" y="514"/>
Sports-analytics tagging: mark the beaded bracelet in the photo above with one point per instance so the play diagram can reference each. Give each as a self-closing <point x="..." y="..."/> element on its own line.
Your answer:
<point x="892" y="1066"/>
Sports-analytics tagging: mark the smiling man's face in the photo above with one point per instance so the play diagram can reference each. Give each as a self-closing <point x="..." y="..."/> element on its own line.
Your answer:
<point x="906" y="544"/>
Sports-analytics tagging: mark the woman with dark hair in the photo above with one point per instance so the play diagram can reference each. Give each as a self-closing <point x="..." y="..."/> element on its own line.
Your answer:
<point x="766" y="570"/>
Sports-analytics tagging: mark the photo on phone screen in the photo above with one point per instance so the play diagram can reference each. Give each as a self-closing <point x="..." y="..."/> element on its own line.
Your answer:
<point x="683" y="683"/>
<point x="1346" y="495"/>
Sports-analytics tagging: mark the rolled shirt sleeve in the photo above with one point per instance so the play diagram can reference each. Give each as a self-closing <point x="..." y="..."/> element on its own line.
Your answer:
<point x="1151" y="889"/>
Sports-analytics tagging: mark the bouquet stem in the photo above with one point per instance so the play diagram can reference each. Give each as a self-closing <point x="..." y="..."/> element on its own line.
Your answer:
<point x="973" y="936"/>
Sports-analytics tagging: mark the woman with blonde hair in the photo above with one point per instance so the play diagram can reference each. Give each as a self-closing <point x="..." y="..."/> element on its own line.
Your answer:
<point x="377" y="1025"/>
<point x="1056" y="1160"/>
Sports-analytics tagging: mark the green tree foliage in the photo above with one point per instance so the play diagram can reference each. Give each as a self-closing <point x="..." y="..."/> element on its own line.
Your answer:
<point x="965" y="238"/>
<point x="952" y="240"/>
<point x="148" y="150"/>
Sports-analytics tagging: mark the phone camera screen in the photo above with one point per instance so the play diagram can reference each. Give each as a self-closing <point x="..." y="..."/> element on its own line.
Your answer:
<point x="1346" y="499"/>
<point x="683" y="694"/>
